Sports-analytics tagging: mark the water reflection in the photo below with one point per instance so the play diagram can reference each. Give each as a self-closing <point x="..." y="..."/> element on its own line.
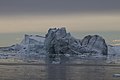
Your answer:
<point x="77" y="72"/>
<point x="71" y="72"/>
<point x="58" y="72"/>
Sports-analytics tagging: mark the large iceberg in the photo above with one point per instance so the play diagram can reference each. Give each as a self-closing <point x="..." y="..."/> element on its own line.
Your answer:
<point x="59" y="45"/>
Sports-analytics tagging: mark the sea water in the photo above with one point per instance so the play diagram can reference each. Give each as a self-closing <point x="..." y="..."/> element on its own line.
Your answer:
<point x="7" y="39"/>
<point x="58" y="72"/>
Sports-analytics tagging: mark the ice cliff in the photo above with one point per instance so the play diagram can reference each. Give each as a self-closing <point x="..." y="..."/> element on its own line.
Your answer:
<point x="94" y="44"/>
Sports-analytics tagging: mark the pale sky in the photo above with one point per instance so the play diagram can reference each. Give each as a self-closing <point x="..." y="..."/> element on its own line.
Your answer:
<point x="39" y="15"/>
<point x="75" y="15"/>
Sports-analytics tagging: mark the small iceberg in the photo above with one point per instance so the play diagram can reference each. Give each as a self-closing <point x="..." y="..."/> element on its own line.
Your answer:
<point x="116" y="75"/>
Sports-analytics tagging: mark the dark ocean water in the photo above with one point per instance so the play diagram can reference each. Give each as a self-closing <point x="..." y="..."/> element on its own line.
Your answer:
<point x="7" y="39"/>
<point x="58" y="72"/>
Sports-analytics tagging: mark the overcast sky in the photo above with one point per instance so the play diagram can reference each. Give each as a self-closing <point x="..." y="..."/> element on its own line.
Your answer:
<point x="57" y="6"/>
<point x="77" y="15"/>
